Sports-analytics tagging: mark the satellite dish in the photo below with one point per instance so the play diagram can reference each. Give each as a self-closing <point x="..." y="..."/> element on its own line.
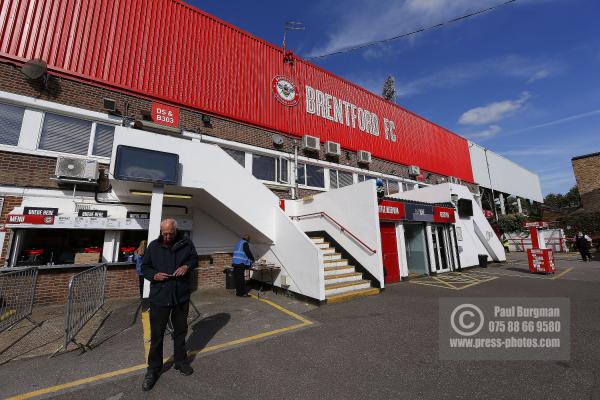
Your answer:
<point x="35" y="70"/>
<point x="277" y="139"/>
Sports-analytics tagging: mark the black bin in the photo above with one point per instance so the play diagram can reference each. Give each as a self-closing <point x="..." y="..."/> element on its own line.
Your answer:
<point x="229" y="278"/>
<point x="483" y="258"/>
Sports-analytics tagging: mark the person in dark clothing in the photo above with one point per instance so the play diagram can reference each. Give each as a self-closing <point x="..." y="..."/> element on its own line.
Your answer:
<point x="167" y="264"/>
<point x="582" y="243"/>
<point x="242" y="260"/>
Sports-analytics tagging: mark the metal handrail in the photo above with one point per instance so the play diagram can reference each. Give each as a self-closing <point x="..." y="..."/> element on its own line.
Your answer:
<point x="342" y="228"/>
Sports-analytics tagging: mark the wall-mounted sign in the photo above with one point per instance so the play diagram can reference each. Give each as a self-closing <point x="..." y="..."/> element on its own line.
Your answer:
<point x="443" y="214"/>
<point x="285" y="90"/>
<point x="30" y="219"/>
<point x="391" y="210"/>
<point x="165" y="115"/>
<point x="93" y="213"/>
<point x="138" y="215"/>
<point x="536" y="224"/>
<point x="419" y="212"/>
<point x="40" y="211"/>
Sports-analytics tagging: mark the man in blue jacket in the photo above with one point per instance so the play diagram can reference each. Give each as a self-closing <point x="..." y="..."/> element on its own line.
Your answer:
<point x="242" y="260"/>
<point x="167" y="264"/>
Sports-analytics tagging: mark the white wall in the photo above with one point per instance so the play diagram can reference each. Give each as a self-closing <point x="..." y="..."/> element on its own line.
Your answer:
<point x="208" y="167"/>
<point x="297" y="256"/>
<point x="227" y="202"/>
<point x="210" y="235"/>
<point x="507" y="176"/>
<point x="355" y="208"/>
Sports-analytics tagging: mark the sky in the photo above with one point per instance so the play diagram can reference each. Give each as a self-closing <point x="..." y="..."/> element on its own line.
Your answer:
<point x="522" y="80"/>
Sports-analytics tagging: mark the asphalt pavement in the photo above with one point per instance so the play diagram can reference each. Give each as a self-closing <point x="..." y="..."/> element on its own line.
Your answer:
<point x="383" y="346"/>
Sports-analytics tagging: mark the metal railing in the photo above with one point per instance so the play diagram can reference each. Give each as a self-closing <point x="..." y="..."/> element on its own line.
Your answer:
<point x="84" y="299"/>
<point x="323" y="214"/>
<point x="522" y="244"/>
<point x="17" y="294"/>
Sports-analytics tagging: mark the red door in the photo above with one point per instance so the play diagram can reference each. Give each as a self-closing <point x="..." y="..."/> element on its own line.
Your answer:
<point x="389" y="250"/>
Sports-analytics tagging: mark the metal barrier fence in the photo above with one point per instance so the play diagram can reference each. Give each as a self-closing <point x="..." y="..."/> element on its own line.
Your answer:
<point x="85" y="298"/>
<point x="17" y="293"/>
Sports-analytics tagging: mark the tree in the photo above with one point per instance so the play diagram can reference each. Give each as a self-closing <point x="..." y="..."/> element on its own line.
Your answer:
<point x="389" y="89"/>
<point x="512" y="222"/>
<point x="568" y="200"/>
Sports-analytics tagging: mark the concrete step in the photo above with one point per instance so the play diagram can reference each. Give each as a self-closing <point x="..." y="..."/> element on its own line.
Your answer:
<point x="317" y="240"/>
<point x="332" y="256"/>
<point x="339" y="278"/>
<point x="334" y="263"/>
<point x="342" y="269"/>
<point x="323" y="245"/>
<point x="328" y="250"/>
<point x="351" y="295"/>
<point x="344" y="287"/>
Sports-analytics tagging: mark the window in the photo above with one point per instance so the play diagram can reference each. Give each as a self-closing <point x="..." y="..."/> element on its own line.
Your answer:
<point x="270" y="168"/>
<point x="407" y="186"/>
<point x="362" y="178"/>
<point x="237" y="155"/>
<point x="283" y="170"/>
<point x="264" y="167"/>
<point x="11" y="119"/>
<point x="338" y="179"/>
<point x="72" y="135"/>
<point x="311" y="175"/>
<point x="103" y="140"/>
<point x="65" y="134"/>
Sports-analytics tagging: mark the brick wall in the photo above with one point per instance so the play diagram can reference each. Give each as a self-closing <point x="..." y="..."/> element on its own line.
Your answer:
<point x="25" y="170"/>
<point x="10" y="202"/>
<point x="587" y="175"/>
<point x="122" y="281"/>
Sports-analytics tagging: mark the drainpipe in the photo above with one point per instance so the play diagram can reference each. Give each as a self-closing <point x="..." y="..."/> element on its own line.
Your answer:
<point x="295" y="171"/>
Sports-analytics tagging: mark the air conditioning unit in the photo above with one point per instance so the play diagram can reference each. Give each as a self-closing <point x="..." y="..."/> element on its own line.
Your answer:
<point x="364" y="157"/>
<point x="414" y="170"/>
<point x="332" y="149"/>
<point x="76" y="169"/>
<point x="311" y="143"/>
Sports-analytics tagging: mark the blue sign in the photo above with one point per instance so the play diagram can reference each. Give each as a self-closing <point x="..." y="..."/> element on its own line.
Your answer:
<point x="418" y="212"/>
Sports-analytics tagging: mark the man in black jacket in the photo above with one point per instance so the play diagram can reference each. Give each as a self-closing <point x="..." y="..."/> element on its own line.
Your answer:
<point x="167" y="264"/>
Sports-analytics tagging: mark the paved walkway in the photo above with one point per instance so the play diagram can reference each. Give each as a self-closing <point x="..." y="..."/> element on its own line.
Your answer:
<point x="118" y="347"/>
<point x="384" y="346"/>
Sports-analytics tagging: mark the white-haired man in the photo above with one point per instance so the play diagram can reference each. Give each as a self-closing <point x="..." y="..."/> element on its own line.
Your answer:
<point x="167" y="263"/>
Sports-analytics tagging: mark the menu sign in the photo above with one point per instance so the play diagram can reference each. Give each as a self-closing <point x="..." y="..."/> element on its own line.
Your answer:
<point x="93" y="213"/>
<point x="138" y="215"/>
<point x="40" y="211"/>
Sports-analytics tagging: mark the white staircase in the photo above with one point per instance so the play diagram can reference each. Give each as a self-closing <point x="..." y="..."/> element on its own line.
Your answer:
<point x="342" y="281"/>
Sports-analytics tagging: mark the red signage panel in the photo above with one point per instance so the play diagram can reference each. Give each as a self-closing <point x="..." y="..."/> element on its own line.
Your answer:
<point x="541" y="260"/>
<point x="185" y="65"/>
<point x="30" y="219"/>
<point x="444" y="215"/>
<point x="165" y="115"/>
<point x="391" y="210"/>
